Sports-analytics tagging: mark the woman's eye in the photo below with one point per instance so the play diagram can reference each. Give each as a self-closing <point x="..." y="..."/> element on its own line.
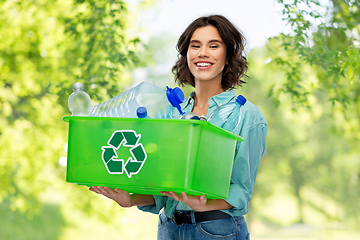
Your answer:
<point x="195" y="46"/>
<point x="214" y="46"/>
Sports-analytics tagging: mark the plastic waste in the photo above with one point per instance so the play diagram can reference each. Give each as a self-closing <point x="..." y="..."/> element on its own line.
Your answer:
<point x="158" y="102"/>
<point x="141" y="112"/>
<point x="203" y="118"/>
<point x="189" y="115"/>
<point x="228" y="116"/>
<point x="79" y="101"/>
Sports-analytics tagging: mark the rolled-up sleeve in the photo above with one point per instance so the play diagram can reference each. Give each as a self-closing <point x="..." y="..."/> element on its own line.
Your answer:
<point x="154" y="208"/>
<point x="246" y="162"/>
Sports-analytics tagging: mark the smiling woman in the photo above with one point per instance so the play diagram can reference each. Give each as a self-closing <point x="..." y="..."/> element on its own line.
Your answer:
<point x="211" y="60"/>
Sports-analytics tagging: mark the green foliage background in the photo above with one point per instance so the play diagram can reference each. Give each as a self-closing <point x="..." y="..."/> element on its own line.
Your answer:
<point x="45" y="47"/>
<point x="306" y="83"/>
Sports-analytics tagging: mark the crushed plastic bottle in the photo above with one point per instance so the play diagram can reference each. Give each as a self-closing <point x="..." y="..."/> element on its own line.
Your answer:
<point x="79" y="101"/>
<point x="189" y="115"/>
<point x="159" y="103"/>
<point x="228" y="116"/>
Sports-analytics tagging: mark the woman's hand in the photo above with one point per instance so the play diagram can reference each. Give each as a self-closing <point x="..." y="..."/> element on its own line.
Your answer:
<point x="197" y="203"/>
<point x="123" y="198"/>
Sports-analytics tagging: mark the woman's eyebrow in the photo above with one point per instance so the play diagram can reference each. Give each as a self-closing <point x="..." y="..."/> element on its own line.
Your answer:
<point x="211" y="41"/>
<point x="194" y="41"/>
<point x="216" y="41"/>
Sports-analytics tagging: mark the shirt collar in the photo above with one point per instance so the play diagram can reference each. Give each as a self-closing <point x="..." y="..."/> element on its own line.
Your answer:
<point x="217" y="100"/>
<point x="224" y="97"/>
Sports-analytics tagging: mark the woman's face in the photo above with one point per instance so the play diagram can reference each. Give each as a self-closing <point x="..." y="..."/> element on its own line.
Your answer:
<point x="206" y="55"/>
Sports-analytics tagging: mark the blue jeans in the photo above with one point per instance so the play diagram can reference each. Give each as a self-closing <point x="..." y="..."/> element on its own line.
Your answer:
<point x="230" y="228"/>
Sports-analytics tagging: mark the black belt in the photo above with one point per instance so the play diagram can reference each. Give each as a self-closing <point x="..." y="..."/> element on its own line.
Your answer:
<point x="180" y="217"/>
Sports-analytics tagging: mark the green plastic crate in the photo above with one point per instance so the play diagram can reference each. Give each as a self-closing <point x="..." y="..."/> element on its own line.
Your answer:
<point x="146" y="156"/>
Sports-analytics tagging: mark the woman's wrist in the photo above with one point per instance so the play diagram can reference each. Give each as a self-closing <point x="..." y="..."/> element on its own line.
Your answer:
<point x="141" y="200"/>
<point x="215" y="204"/>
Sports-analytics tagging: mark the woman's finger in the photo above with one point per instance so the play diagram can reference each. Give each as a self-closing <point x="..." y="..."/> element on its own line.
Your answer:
<point x="203" y="199"/>
<point x="94" y="189"/>
<point x="104" y="191"/>
<point x="172" y="195"/>
<point x="184" y="196"/>
<point x="108" y="190"/>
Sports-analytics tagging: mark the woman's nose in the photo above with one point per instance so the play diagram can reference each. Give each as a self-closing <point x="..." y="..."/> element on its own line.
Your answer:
<point x="203" y="53"/>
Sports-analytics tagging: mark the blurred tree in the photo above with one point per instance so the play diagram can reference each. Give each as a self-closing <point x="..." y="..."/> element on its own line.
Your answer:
<point x="45" y="47"/>
<point x="304" y="150"/>
<point x="103" y="48"/>
<point x="327" y="38"/>
<point x="316" y="67"/>
<point x="162" y="52"/>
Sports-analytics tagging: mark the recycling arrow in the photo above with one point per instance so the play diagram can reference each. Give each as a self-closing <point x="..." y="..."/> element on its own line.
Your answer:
<point x="116" y="165"/>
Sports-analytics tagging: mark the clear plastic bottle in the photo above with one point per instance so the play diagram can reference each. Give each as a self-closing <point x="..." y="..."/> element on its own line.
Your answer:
<point x="159" y="103"/>
<point x="141" y="112"/>
<point x="228" y="116"/>
<point x="189" y="115"/>
<point x="79" y="101"/>
<point x="203" y="118"/>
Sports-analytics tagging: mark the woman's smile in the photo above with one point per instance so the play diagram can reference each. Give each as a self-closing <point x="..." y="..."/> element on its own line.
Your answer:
<point x="203" y="65"/>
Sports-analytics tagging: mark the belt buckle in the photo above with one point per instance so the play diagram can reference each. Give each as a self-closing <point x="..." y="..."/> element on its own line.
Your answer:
<point x="174" y="218"/>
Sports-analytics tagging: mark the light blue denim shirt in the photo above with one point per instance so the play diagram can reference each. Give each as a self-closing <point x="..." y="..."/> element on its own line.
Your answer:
<point x="253" y="128"/>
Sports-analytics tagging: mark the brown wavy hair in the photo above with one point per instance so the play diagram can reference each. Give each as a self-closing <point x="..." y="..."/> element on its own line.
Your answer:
<point x="236" y="67"/>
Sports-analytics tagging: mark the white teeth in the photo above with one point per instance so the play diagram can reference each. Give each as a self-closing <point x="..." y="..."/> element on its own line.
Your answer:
<point x="203" y="64"/>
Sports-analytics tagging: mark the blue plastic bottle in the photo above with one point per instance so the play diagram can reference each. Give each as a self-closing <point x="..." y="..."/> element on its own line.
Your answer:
<point x="159" y="103"/>
<point x="228" y="116"/>
<point x="79" y="101"/>
<point x="141" y="112"/>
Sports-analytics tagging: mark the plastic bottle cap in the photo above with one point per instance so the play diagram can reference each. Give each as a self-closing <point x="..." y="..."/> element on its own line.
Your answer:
<point x="195" y="118"/>
<point x="190" y="115"/>
<point x="241" y="100"/>
<point x="141" y="112"/>
<point x="77" y="86"/>
<point x="175" y="97"/>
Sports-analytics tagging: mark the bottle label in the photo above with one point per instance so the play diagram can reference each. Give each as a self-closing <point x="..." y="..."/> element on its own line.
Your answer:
<point x="129" y="140"/>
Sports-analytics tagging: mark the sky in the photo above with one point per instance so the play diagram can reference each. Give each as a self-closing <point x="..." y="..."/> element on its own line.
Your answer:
<point x="257" y="19"/>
